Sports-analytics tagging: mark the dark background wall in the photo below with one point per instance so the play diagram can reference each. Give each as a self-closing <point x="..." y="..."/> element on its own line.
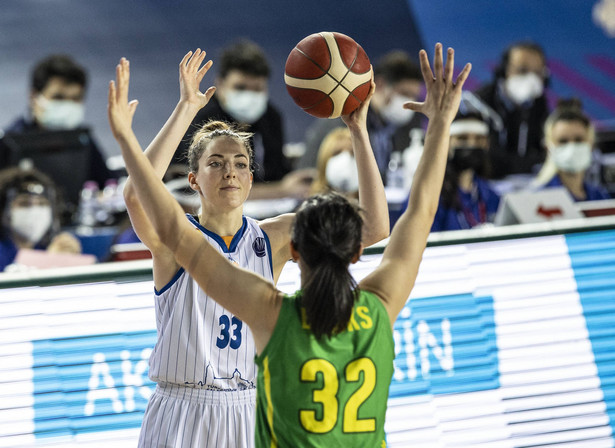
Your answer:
<point x="154" y="35"/>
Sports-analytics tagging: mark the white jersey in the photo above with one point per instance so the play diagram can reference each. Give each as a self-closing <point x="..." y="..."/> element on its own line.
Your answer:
<point x="201" y="344"/>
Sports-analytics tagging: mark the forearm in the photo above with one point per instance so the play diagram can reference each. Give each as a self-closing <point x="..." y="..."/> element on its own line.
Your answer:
<point x="161" y="150"/>
<point x="161" y="208"/>
<point x="427" y="182"/>
<point x="372" y="197"/>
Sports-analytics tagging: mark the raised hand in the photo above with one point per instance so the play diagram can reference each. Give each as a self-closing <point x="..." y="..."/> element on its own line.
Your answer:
<point x="359" y="115"/>
<point x="119" y="110"/>
<point x="190" y="76"/>
<point x="443" y="95"/>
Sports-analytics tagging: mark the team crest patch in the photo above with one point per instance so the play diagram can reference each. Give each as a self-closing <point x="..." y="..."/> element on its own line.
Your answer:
<point x="259" y="247"/>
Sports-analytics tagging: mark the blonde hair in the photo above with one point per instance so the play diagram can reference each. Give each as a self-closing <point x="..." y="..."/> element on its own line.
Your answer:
<point x="212" y="130"/>
<point x="566" y="110"/>
<point x="325" y="152"/>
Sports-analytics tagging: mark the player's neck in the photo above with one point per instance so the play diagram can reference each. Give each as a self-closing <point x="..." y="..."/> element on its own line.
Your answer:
<point x="222" y="223"/>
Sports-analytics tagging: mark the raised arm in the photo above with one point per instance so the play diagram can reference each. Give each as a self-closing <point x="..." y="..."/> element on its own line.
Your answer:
<point x="372" y="198"/>
<point x="243" y="293"/>
<point x="393" y="280"/>
<point x="161" y="149"/>
<point x="371" y="194"/>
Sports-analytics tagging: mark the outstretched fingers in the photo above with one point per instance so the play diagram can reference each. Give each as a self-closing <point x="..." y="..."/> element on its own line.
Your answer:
<point x="203" y="70"/>
<point x="461" y="78"/>
<point x="450" y="65"/>
<point x="437" y="62"/>
<point x="122" y="75"/>
<point x="425" y="67"/>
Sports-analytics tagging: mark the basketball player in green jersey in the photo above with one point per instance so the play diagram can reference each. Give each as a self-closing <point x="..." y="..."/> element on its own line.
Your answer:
<point x="326" y="353"/>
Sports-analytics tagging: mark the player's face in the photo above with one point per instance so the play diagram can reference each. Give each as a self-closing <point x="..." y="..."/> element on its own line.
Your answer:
<point x="224" y="178"/>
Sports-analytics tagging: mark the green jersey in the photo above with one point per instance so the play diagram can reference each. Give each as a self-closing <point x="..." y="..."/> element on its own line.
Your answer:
<point x="328" y="392"/>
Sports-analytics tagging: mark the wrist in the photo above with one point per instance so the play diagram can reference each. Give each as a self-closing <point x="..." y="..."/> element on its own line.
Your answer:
<point x="187" y="106"/>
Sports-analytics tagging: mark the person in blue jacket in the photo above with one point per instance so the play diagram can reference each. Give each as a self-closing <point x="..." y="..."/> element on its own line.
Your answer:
<point x="467" y="200"/>
<point x="569" y="137"/>
<point x="29" y="216"/>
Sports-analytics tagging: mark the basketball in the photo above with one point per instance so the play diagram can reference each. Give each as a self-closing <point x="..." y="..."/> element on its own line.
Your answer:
<point x="328" y="74"/>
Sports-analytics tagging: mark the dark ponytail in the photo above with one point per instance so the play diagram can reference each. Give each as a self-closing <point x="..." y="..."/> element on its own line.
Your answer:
<point x="327" y="235"/>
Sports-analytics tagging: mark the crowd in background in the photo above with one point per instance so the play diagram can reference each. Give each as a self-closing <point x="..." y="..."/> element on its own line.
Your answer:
<point x="506" y="137"/>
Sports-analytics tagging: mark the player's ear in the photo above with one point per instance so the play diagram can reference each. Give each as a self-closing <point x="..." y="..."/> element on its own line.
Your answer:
<point x="192" y="181"/>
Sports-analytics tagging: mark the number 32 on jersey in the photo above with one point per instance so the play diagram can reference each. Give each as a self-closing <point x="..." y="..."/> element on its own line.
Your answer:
<point x="326" y="398"/>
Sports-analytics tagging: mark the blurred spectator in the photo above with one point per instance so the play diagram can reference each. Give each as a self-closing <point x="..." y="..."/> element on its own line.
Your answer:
<point x="242" y="97"/>
<point x="336" y="167"/>
<point x="569" y="137"/>
<point x="517" y="95"/>
<point x="398" y="80"/>
<point x="57" y="92"/>
<point x="467" y="200"/>
<point x="29" y="210"/>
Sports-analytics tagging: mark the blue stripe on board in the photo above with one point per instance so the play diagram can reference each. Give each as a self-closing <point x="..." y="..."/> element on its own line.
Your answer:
<point x="91" y="383"/>
<point x="445" y="345"/>
<point x="592" y="258"/>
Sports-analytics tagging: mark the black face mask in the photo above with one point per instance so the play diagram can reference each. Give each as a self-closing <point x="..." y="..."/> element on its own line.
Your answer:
<point x="469" y="158"/>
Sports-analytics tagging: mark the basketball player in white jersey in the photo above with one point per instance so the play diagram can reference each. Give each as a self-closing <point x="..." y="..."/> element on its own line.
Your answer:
<point x="203" y="361"/>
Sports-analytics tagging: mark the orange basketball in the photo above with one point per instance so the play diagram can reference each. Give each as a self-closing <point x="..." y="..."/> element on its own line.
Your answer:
<point x="328" y="74"/>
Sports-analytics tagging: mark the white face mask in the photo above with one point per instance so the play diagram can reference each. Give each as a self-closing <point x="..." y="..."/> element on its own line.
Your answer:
<point x="59" y="114"/>
<point x="394" y="111"/>
<point x="31" y="223"/>
<point x="572" y="157"/>
<point x="245" y="106"/>
<point x="342" y="172"/>
<point x="522" y="88"/>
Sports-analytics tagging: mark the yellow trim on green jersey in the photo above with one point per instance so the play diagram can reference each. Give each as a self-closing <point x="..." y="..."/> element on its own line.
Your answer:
<point x="267" y="376"/>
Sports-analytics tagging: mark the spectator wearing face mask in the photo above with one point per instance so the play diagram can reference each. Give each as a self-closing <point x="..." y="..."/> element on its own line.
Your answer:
<point x="29" y="210"/>
<point x="398" y="80"/>
<point x="517" y="95"/>
<point x="336" y="167"/>
<point x="56" y="103"/>
<point x="569" y="138"/>
<point x="467" y="200"/>
<point x="242" y="97"/>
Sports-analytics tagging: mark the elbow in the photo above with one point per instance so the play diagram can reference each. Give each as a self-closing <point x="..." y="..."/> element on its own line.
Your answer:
<point x="130" y="195"/>
<point x="377" y="233"/>
<point x="383" y="231"/>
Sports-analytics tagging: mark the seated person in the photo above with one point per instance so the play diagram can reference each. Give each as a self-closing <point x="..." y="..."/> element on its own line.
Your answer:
<point x="569" y="137"/>
<point x="467" y="199"/>
<point x="398" y="80"/>
<point x="57" y="92"/>
<point x="336" y="167"/>
<point x="242" y="97"/>
<point x="517" y="95"/>
<point x="29" y="210"/>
